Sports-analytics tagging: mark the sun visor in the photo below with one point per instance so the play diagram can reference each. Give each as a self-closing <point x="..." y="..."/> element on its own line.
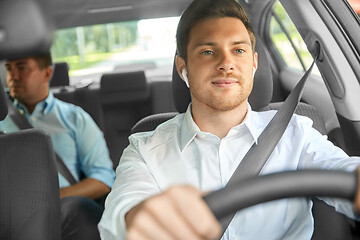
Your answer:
<point x="25" y="29"/>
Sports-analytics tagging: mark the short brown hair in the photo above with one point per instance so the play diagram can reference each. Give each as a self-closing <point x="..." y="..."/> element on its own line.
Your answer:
<point x="43" y="60"/>
<point x="204" y="9"/>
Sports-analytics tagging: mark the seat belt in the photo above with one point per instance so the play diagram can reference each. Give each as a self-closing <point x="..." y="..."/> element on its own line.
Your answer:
<point x="258" y="154"/>
<point x="22" y="123"/>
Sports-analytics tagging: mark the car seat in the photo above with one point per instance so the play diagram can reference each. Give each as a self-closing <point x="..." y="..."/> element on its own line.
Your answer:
<point x="60" y="76"/>
<point x="125" y="99"/>
<point x="29" y="200"/>
<point x="329" y="224"/>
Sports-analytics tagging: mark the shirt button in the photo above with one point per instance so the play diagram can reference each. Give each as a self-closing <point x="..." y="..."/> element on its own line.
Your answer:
<point x="21" y="111"/>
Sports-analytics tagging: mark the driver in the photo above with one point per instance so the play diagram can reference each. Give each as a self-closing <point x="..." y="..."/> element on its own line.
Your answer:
<point x="163" y="174"/>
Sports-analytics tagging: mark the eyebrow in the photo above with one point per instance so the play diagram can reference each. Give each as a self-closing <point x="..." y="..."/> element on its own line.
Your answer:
<point x="18" y="63"/>
<point x="241" y="42"/>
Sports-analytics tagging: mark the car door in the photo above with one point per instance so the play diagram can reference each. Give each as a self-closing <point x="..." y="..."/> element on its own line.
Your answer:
<point x="290" y="31"/>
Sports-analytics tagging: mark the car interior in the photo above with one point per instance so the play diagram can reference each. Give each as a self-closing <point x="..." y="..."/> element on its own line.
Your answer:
<point x="138" y="97"/>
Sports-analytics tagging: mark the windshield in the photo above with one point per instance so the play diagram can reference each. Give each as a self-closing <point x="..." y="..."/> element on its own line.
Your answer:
<point x="126" y="46"/>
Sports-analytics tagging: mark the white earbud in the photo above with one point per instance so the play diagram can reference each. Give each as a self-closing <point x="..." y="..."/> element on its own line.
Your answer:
<point x="254" y="70"/>
<point x="185" y="78"/>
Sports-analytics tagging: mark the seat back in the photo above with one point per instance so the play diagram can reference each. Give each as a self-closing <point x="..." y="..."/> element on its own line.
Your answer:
<point x="29" y="200"/>
<point x="125" y="99"/>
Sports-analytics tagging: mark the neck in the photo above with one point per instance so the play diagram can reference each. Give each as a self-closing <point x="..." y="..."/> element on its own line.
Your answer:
<point x="30" y="105"/>
<point x="217" y="122"/>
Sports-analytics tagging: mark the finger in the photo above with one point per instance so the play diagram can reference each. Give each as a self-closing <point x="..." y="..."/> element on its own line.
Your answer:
<point x="165" y="212"/>
<point x="196" y="212"/>
<point x="135" y="235"/>
<point x="145" y="225"/>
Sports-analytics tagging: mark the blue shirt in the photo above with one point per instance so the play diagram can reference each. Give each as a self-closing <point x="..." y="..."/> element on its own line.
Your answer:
<point x="75" y="136"/>
<point x="177" y="152"/>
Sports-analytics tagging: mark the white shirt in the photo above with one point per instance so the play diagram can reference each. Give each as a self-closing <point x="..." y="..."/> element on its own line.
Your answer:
<point x="177" y="152"/>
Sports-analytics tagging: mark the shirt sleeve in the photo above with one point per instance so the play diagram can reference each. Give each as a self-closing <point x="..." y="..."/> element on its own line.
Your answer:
<point x="320" y="153"/>
<point x="93" y="153"/>
<point x="8" y="126"/>
<point x="134" y="183"/>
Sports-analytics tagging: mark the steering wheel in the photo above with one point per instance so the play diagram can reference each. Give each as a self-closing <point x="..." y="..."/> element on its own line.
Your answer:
<point x="286" y="184"/>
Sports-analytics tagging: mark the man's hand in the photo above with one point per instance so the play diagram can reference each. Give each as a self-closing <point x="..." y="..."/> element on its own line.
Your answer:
<point x="178" y="213"/>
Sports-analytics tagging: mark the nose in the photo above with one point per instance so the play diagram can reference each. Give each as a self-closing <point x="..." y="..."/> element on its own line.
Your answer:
<point x="226" y="63"/>
<point x="13" y="74"/>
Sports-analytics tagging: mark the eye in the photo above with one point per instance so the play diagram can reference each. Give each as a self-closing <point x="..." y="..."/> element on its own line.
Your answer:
<point x="207" y="52"/>
<point x="239" y="51"/>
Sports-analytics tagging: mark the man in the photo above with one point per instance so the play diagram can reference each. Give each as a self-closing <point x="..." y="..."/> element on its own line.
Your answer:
<point x="75" y="136"/>
<point x="164" y="173"/>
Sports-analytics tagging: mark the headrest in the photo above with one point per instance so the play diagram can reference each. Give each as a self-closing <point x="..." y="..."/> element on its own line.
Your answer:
<point x="60" y="76"/>
<point x="126" y="86"/>
<point x="260" y="96"/>
<point x="3" y="102"/>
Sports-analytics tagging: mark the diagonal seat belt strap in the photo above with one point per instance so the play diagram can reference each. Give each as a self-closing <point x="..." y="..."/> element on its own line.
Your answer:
<point x="258" y="154"/>
<point x="22" y="123"/>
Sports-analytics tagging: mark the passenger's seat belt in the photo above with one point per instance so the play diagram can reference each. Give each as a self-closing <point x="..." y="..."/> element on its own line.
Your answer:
<point x="22" y="123"/>
<point x="258" y="154"/>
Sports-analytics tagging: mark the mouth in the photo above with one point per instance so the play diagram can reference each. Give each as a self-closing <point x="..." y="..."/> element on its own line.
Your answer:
<point x="224" y="83"/>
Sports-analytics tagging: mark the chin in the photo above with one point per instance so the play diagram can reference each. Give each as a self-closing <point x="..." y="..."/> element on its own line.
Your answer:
<point x="224" y="107"/>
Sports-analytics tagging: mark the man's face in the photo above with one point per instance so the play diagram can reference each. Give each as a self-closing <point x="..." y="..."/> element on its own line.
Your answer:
<point x="220" y="63"/>
<point x="26" y="80"/>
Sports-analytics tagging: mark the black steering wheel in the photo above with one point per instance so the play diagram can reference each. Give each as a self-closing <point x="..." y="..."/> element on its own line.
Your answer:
<point x="259" y="189"/>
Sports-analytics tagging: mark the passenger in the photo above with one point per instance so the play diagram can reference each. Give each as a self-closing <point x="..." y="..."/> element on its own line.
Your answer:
<point x="76" y="139"/>
<point x="164" y="173"/>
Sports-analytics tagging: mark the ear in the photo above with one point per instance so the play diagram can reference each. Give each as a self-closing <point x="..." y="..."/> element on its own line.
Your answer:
<point x="48" y="71"/>
<point x="255" y="62"/>
<point x="180" y="65"/>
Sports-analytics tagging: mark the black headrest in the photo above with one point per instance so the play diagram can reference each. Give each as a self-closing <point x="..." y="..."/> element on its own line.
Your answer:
<point x="60" y="76"/>
<point x="3" y="103"/>
<point x="260" y="96"/>
<point x="127" y="86"/>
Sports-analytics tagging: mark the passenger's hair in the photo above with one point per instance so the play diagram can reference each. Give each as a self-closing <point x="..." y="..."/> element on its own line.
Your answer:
<point x="43" y="60"/>
<point x="204" y="9"/>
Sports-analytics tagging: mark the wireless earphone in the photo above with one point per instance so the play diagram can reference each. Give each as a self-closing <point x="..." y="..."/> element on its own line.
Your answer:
<point x="185" y="78"/>
<point x="254" y="70"/>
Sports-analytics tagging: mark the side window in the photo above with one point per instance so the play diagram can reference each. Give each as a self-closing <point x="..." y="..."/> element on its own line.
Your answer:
<point x="288" y="41"/>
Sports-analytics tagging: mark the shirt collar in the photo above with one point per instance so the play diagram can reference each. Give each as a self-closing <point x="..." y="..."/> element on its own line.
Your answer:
<point x="48" y="103"/>
<point x="43" y="106"/>
<point x="189" y="129"/>
<point x="251" y="122"/>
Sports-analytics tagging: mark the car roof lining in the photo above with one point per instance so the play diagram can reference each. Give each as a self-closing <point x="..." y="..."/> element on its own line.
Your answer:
<point x="88" y="12"/>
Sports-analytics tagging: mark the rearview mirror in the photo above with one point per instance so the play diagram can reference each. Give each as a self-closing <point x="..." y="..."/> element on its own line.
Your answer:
<point x="25" y="29"/>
